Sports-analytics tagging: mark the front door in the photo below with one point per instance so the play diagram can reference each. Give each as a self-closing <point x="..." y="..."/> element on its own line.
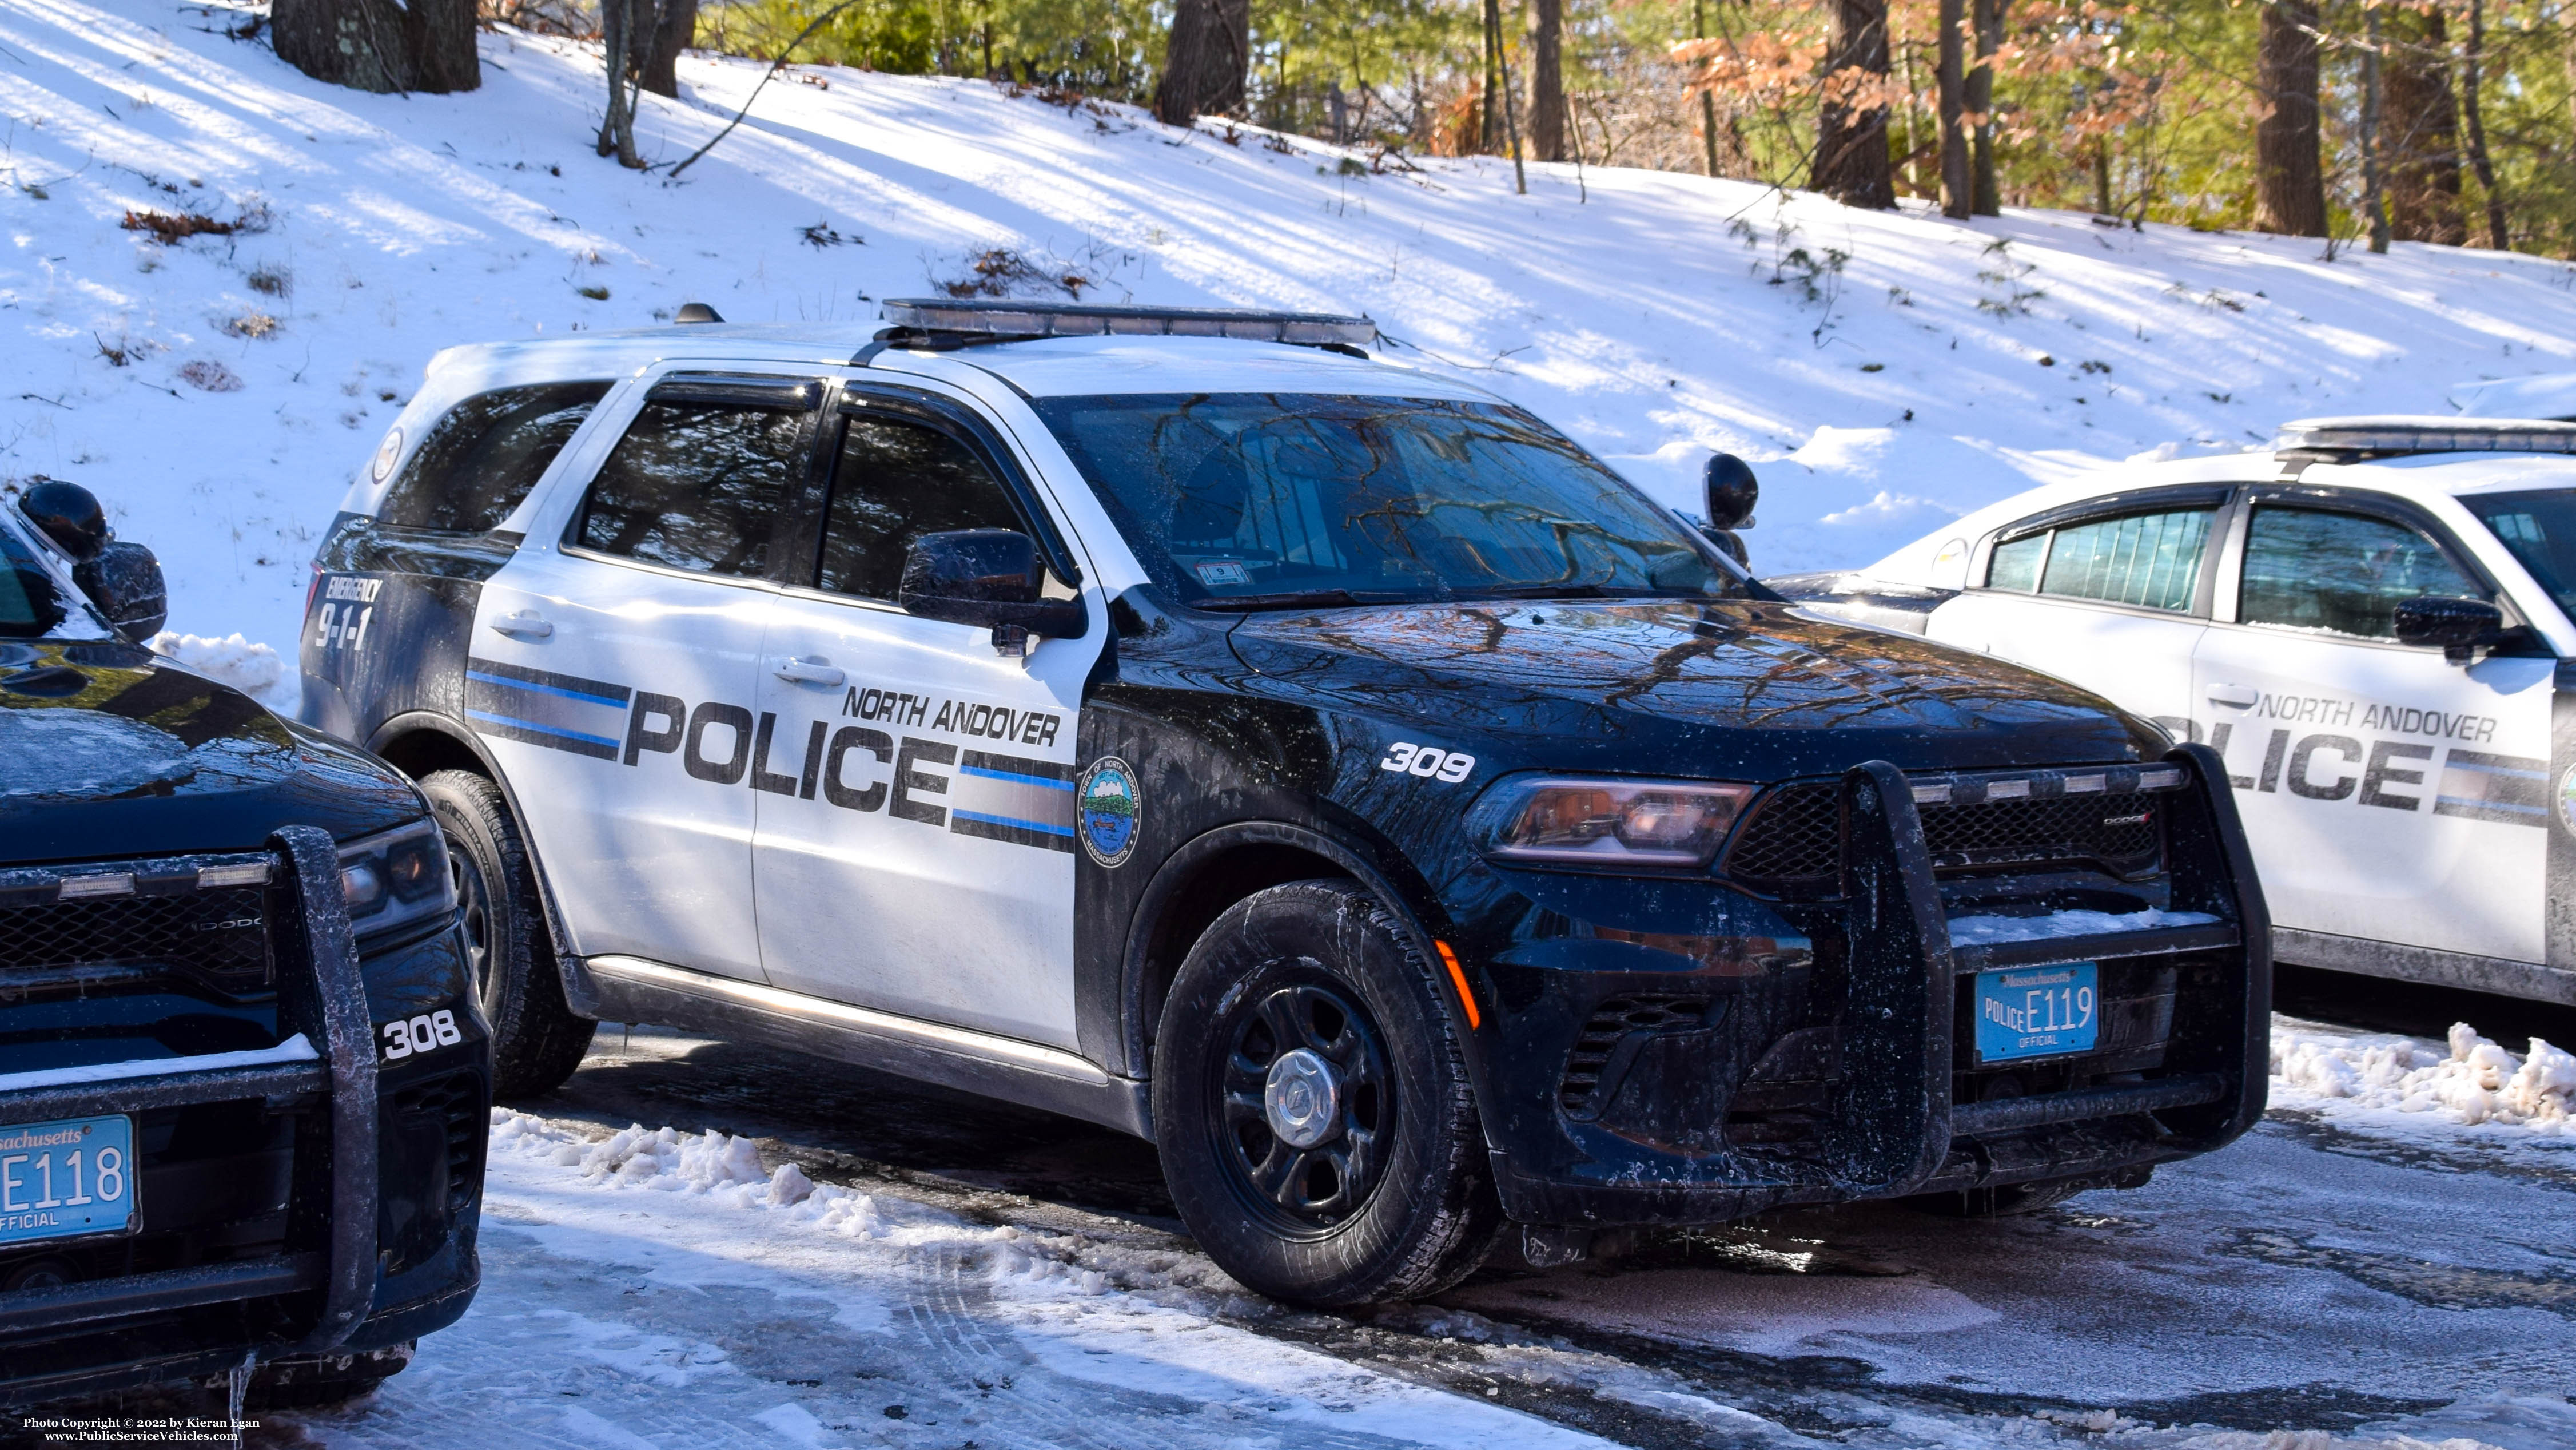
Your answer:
<point x="2387" y="794"/>
<point x="612" y="676"/>
<point x="916" y="831"/>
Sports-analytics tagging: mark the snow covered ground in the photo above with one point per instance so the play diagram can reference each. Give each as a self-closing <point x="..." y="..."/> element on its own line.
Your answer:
<point x="1886" y="370"/>
<point x="689" y="1287"/>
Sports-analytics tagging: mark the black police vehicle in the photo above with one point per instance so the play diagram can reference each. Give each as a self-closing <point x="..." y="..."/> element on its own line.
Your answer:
<point x="243" y="1082"/>
<point x="1182" y="720"/>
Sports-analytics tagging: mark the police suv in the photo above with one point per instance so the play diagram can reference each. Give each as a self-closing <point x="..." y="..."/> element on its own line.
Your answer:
<point x="2370" y="625"/>
<point x="1179" y="720"/>
<point x="243" y="1100"/>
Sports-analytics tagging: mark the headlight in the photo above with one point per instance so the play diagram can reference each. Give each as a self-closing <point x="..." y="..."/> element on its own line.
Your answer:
<point x="1606" y="822"/>
<point x="396" y="877"/>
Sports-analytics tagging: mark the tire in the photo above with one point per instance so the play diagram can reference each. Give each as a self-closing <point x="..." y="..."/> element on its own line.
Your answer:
<point x="536" y="1039"/>
<point x="1391" y="1197"/>
<point x="2004" y="1201"/>
<point x="312" y="1384"/>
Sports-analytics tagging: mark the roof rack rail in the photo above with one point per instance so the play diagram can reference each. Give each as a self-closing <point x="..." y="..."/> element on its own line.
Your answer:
<point x="941" y="324"/>
<point x="2353" y="440"/>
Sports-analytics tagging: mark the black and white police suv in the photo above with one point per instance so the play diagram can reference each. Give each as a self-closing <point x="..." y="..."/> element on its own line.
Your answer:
<point x="1182" y="721"/>
<point x="243" y="1097"/>
<point x="2371" y="626"/>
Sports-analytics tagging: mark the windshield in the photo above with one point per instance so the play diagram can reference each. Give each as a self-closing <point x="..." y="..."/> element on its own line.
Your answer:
<point x="2540" y="529"/>
<point x="1241" y="500"/>
<point x="28" y="607"/>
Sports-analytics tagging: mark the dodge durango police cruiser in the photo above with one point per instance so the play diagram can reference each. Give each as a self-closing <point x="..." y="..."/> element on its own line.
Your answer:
<point x="2369" y="624"/>
<point x="242" y="1094"/>
<point x="1180" y="720"/>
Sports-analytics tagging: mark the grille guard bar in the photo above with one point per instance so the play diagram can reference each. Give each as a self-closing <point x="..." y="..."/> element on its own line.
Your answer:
<point x="321" y="994"/>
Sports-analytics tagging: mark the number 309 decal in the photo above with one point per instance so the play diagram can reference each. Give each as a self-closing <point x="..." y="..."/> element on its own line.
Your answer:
<point x="1425" y="760"/>
<point x="420" y="1034"/>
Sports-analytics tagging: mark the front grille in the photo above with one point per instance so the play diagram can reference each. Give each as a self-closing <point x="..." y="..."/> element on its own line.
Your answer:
<point x="219" y="936"/>
<point x="1794" y="838"/>
<point x="1579" y="1092"/>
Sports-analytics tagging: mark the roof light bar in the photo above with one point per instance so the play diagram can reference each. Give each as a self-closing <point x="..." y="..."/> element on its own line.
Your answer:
<point x="1074" y="319"/>
<point x="2352" y="439"/>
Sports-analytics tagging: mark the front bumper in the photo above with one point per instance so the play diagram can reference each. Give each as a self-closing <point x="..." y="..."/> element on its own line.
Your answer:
<point x="369" y="1212"/>
<point x="1743" y="1086"/>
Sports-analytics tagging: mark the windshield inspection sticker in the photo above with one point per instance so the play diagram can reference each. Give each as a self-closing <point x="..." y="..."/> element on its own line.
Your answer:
<point x="1223" y="573"/>
<point x="1109" y="810"/>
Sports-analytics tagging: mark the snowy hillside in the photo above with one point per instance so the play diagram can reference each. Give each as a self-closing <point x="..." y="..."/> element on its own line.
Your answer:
<point x="220" y="388"/>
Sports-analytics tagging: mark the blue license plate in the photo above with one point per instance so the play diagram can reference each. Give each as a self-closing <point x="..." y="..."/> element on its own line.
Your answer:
<point x="65" y="1178"/>
<point x="2038" y="1011"/>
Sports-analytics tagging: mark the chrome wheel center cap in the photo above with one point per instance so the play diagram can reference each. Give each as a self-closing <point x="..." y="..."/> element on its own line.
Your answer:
<point x="1302" y="1099"/>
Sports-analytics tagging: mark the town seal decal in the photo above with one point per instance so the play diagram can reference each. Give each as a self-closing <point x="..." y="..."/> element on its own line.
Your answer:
<point x="1109" y="805"/>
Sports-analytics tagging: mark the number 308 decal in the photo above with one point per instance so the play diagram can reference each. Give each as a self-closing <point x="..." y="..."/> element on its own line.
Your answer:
<point x="1438" y="764"/>
<point x="420" y="1034"/>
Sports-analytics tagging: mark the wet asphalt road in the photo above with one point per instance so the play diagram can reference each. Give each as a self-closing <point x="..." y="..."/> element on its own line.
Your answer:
<point x="2304" y="1278"/>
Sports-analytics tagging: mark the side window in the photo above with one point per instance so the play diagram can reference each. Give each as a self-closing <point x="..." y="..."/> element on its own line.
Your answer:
<point x="894" y="482"/>
<point x="484" y="455"/>
<point x="696" y="486"/>
<point x="2314" y="569"/>
<point x="2150" y="560"/>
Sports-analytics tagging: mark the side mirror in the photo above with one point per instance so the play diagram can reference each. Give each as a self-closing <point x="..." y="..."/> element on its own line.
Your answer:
<point x="70" y="517"/>
<point x="124" y="581"/>
<point x="2459" y="626"/>
<point x="1731" y="492"/>
<point x="990" y="577"/>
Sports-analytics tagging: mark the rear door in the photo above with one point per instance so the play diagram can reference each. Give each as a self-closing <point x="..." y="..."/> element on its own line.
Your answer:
<point x="2112" y="595"/>
<point x="2388" y="794"/>
<point x="916" y="830"/>
<point x="612" y="669"/>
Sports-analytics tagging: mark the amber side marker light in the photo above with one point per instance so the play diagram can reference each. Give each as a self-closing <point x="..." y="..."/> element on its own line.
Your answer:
<point x="1458" y="978"/>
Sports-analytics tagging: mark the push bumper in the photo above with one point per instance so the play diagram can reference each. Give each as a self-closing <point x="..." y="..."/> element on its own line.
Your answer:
<point x="316" y="1293"/>
<point x="1884" y="1002"/>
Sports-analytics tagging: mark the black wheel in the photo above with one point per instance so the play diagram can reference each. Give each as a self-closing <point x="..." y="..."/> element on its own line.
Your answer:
<point x="536" y="1039"/>
<point x="1312" y="1104"/>
<point x="332" y="1379"/>
<point x="2003" y="1201"/>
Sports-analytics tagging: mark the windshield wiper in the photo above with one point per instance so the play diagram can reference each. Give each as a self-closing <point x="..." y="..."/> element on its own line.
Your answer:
<point x="1296" y="599"/>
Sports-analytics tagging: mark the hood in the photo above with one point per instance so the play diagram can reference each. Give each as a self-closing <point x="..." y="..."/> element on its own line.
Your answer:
<point x="108" y="750"/>
<point x="1737" y="689"/>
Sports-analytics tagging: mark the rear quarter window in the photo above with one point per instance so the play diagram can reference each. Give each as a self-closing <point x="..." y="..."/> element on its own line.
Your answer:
<point x="481" y="458"/>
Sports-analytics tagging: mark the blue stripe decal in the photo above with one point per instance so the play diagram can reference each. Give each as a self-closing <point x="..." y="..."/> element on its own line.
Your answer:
<point x="2455" y="763"/>
<point x="517" y="724"/>
<point x="547" y="690"/>
<point x="1017" y="779"/>
<point x="1044" y="828"/>
<point x="2493" y="805"/>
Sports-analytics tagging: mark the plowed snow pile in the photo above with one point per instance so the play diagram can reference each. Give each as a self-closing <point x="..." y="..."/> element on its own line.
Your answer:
<point x="1884" y="370"/>
<point x="2470" y="1082"/>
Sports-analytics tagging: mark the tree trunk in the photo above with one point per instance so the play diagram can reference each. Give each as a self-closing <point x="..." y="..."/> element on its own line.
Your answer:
<point x="1547" y="80"/>
<point x="2470" y="65"/>
<point x="1708" y="102"/>
<point x="2289" y="173"/>
<point x="1958" y="191"/>
<point x="1987" y="190"/>
<point x="2374" y="125"/>
<point x="380" y="45"/>
<point x="1490" y="115"/>
<point x="679" y="28"/>
<point x="2421" y="138"/>
<point x="1209" y="60"/>
<point x="618" y="43"/>
<point x="1851" y="129"/>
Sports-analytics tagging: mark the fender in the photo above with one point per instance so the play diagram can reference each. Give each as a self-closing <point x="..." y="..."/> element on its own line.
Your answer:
<point x="579" y="994"/>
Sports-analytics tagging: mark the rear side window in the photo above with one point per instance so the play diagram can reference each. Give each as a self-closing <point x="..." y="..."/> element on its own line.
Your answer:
<point x="895" y="482"/>
<point x="2149" y="560"/>
<point x="483" y="456"/>
<point x="696" y="486"/>
<point x="2345" y="573"/>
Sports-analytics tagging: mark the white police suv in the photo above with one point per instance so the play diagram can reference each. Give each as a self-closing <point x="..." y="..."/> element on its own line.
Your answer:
<point x="2369" y="625"/>
<point x="1181" y="720"/>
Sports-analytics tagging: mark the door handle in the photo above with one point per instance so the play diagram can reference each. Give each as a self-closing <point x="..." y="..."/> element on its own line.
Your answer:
<point x="810" y="670"/>
<point x="2242" y="697"/>
<point x="523" y="624"/>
